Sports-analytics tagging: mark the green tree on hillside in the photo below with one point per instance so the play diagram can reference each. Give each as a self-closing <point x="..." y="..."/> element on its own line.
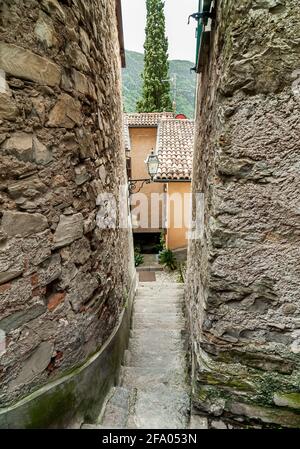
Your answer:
<point x="156" y="87"/>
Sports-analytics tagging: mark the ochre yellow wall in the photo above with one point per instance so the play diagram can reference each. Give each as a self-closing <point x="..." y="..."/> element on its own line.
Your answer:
<point x="142" y="141"/>
<point x="177" y="237"/>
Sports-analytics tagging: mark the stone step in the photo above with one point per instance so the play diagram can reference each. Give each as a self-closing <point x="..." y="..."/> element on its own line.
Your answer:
<point x="146" y="307"/>
<point x="159" y="295"/>
<point x="117" y="408"/>
<point x="174" y="359"/>
<point x="171" y="325"/>
<point x="164" y="285"/>
<point x="98" y="427"/>
<point x="151" y="310"/>
<point x="157" y="333"/>
<point x="139" y="351"/>
<point x="159" y="298"/>
<point x="154" y="286"/>
<point x="158" y="321"/>
<point x="145" y="378"/>
<point x="168" y="305"/>
<point x="154" y="342"/>
<point x="198" y="422"/>
<point x="167" y="315"/>
<point x="160" y="289"/>
<point x="161" y="408"/>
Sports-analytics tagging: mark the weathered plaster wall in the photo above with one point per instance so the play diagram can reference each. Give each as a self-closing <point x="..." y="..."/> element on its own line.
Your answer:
<point x="178" y="214"/>
<point x="143" y="141"/>
<point x="244" y="274"/>
<point x="63" y="281"/>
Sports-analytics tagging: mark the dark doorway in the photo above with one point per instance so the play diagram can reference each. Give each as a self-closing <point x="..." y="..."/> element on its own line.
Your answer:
<point x="148" y="242"/>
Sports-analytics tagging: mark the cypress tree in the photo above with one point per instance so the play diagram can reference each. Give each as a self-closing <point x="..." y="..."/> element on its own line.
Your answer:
<point x="156" y="87"/>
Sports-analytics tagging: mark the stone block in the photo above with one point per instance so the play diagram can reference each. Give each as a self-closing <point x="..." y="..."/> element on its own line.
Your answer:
<point x="90" y="223"/>
<point x="39" y="108"/>
<point x="66" y="113"/>
<point x="27" y="149"/>
<point x="81" y="290"/>
<point x="76" y="57"/>
<point x="17" y="319"/>
<point x="86" y="143"/>
<point x="23" y="224"/>
<point x="265" y="414"/>
<point x="266" y="4"/>
<point x="20" y="188"/>
<point x="49" y="270"/>
<point x="15" y="295"/>
<point x="53" y="7"/>
<point x="291" y="400"/>
<point x="34" y="365"/>
<point x="45" y="31"/>
<point x="81" y="175"/>
<point x="69" y="228"/>
<point x="198" y="422"/>
<point x="41" y="154"/>
<point x="83" y="84"/>
<point x="23" y="63"/>
<point x="220" y="425"/>
<point x="37" y="248"/>
<point x="69" y="271"/>
<point x="11" y="260"/>
<point x="79" y="252"/>
<point x="84" y="41"/>
<point x="19" y="144"/>
<point x="8" y="106"/>
<point x="55" y="300"/>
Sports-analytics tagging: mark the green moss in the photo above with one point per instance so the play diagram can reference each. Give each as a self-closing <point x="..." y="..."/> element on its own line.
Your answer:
<point x="291" y="400"/>
<point x="271" y="383"/>
<point x="267" y="385"/>
<point x="210" y="393"/>
<point x="56" y="407"/>
<point x="227" y="381"/>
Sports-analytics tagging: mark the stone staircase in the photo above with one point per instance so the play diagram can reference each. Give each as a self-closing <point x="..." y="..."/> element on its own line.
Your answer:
<point x="153" y="391"/>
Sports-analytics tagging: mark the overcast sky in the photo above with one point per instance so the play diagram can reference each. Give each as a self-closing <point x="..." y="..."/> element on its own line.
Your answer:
<point x="182" y="42"/>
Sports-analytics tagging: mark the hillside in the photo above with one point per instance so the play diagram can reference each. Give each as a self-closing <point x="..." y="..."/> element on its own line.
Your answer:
<point x="132" y="83"/>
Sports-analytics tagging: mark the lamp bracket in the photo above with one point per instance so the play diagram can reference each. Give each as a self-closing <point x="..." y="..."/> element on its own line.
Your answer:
<point x="132" y="184"/>
<point x="202" y="15"/>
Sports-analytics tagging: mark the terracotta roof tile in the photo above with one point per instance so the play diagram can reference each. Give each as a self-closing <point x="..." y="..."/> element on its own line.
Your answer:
<point x="151" y="119"/>
<point x="175" y="143"/>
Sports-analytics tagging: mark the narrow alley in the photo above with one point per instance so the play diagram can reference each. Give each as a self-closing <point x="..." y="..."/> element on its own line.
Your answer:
<point x="149" y="215"/>
<point x="154" y="382"/>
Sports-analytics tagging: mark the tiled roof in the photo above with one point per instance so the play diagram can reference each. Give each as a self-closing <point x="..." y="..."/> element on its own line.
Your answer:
<point x="175" y="143"/>
<point x="149" y="119"/>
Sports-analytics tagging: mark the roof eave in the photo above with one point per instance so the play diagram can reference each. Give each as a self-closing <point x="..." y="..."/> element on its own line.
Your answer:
<point x="167" y="180"/>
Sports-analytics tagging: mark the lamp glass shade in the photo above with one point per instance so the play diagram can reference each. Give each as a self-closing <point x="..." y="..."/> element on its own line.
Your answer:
<point x="152" y="163"/>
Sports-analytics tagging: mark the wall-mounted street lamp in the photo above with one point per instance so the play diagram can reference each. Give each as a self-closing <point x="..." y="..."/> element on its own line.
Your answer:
<point x="152" y="163"/>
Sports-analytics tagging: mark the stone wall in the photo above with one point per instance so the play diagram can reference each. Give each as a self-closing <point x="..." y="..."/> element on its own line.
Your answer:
<point x="244" y="274"/>
<point x="63" y="281"/>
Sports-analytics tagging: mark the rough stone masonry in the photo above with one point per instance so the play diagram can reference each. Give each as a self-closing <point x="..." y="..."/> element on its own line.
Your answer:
<point x="63" y="281"/>
<point x="243" y="294"/>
